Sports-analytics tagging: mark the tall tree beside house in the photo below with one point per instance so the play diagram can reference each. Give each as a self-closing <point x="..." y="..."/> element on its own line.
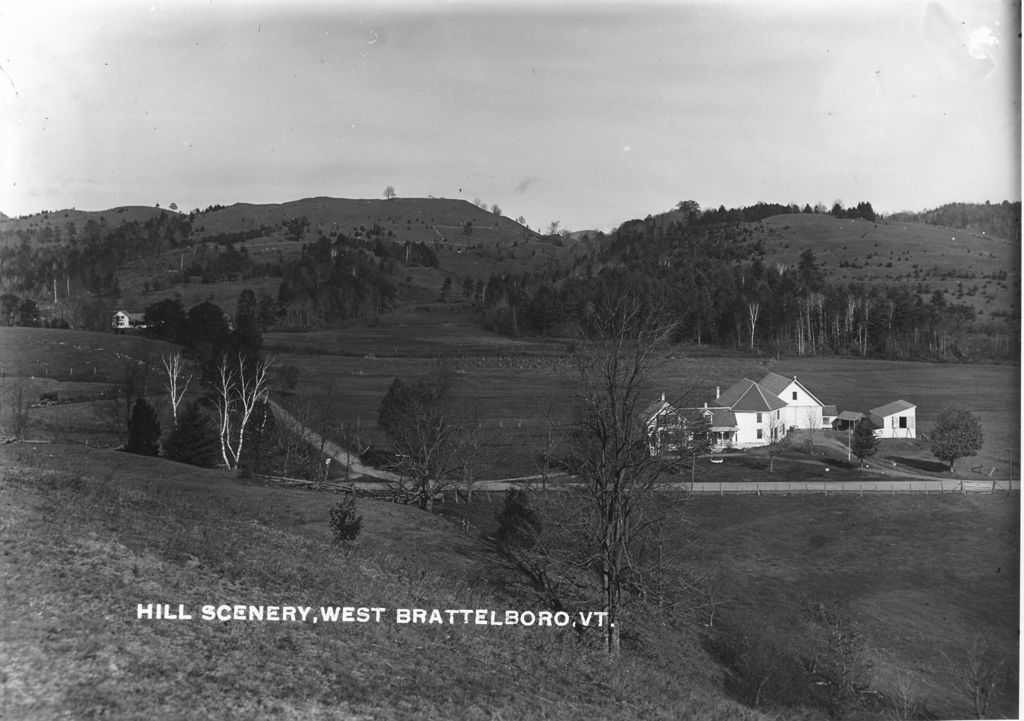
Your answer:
<point x="609" y="446"/>
<point x="863" y="442"/>
<point x="956" y="434"/>
<point x="143" y="430"/>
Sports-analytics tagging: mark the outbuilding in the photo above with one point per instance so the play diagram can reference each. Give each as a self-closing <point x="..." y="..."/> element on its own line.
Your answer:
<point x="895" y="420"/>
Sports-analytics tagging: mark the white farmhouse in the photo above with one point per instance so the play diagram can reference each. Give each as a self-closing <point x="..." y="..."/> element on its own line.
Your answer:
<point x="803" y="409"/>
<point x="123" y="320"/>
<point x="895" y="420"/>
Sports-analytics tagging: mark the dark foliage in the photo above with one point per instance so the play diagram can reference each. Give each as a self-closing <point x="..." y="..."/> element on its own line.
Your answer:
<point x="863" y="442"/>
<point x="519" y="525"/>
<point x="143" y="430"/>
<point x="195" y="440"/>
<point x="345" y="522"/>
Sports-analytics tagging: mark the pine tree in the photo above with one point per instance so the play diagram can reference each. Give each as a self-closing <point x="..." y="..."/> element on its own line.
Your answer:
<point x="143" y="430"/>
<point x="864" y="443"/>
<point x="195" y="440"/>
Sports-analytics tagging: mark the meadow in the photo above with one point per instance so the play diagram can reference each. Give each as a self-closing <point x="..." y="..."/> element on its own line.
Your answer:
<point x="922" y="577"/>
<point x="89" y="535"/>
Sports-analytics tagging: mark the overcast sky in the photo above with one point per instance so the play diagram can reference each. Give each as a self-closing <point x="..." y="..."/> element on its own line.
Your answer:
<point x="586" y="113"/>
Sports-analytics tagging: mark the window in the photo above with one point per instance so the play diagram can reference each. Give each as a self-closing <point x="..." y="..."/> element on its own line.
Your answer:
<point x="794" y="395"/>
<point x="759" y="420"/>
<point x="903" y="421"/>
<point x="760" y="434"/>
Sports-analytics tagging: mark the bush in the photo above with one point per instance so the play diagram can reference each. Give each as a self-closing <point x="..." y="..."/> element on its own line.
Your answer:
<point x="345" y="523"/>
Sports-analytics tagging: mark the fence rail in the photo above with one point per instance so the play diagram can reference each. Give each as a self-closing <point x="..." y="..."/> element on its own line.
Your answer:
<point x="883" y="486"/>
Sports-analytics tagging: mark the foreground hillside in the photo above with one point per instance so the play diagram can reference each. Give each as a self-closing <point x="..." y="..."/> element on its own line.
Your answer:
<point x="82" y="549"/>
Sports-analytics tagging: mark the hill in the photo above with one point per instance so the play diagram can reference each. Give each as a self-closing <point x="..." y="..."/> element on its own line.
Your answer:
<point x="86" y="548"/>
<point x="979" y="270"/>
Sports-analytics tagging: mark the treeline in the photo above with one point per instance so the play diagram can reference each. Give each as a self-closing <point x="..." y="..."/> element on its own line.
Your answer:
<point x="1001" y="220"/>
<point x="711" y="282"/>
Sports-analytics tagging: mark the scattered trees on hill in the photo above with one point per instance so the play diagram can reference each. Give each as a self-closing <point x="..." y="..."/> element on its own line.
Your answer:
<point x="956" y="434"/>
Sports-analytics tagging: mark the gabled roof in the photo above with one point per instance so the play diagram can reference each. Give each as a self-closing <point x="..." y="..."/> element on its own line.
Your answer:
<point x="721" y="419"/>
<point x="778" y="383"/>
<point x="889" y="408"/>
<point x="829" y="410"/>
<point x="851" y="416"/>
<point x="748" y="396"/>
<point x="775" y="382"/>
<point x="656" y="409"/>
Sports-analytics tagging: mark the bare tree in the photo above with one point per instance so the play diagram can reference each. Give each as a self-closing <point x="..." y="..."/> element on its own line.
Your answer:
<point x="609" y="447"/>
<point x="976" y="674"/>
<point x="753" y="313"/>
<point x="239" y="386"/>
<point x="778" y="440"/>
<point x="389" y="192"/>
<point x="429" y="433"/>
<point x="176" y="383"/>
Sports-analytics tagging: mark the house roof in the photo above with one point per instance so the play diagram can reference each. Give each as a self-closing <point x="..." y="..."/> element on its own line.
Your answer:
<point x="748" y="396"/>
<point x="656" y="409"/>
<point x="778" y="383"/>
<point x="722" y="419"/>
<point x="829" y="410"/>
<point x="889" y="408"/>
<point x="852" y="416"/>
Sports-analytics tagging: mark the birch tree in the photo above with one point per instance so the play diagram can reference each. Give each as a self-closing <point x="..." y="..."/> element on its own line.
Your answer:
<point x="176" y="383"/>
<point x="239" y="385"/>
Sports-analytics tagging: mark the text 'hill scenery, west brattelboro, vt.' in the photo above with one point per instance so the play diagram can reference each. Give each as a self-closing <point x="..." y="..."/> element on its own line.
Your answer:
<point x="347" y="441"/>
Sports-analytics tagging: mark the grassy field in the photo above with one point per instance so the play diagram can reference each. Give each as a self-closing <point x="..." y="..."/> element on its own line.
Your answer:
<point x="922" y="578"/>
<point x="82" y="549"/>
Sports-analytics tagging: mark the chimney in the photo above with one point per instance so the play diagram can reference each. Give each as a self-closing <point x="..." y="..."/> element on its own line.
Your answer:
<point x="662" y="397"/>
<point x="718" y="392"/>
<point x="705" y="404"/>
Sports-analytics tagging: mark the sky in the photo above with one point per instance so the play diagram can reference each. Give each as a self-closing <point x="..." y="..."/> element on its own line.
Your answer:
<point x="586" y="113"/>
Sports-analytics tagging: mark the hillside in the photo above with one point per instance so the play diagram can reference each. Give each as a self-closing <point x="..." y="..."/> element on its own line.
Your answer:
<point x="85" y="548"/>
<point x="979" y="270"/>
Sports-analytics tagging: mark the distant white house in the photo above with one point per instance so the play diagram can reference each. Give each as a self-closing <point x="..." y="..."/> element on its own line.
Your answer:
<point x="895" y="420"/>
<point x="123" y="320"/>
<point x="752" y="413"/>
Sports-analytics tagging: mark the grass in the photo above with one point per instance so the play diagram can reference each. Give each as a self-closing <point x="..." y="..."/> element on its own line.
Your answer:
<point x="932" y="255"/>
<point x="80" y="551"/>
<point x="922" y="577"/>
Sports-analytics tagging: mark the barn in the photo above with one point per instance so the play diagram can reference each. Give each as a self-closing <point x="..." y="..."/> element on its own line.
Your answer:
<point x="895" y="420"/>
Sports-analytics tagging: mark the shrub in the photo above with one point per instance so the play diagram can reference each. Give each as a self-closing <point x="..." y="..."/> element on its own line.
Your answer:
<point x="345" y="523"/>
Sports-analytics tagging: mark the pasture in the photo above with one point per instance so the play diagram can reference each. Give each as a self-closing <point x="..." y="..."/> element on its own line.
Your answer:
<point x="518" y="390"/>
<point x="896" y="252"/>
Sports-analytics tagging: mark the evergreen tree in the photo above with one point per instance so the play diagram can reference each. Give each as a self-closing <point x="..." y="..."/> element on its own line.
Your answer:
<point x="195" y="440"/>
<point x="143" y="430"/>
<point x="864" y="443"/>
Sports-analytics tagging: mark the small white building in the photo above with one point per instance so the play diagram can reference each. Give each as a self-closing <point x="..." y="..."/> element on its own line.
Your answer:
<point x="123" y="320"/>
<point x="895" y="420"/>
